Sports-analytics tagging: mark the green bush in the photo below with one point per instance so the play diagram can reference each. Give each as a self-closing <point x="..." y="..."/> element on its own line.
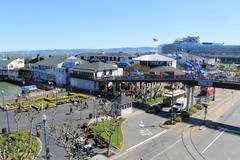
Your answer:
<point x="178" y="119"/>
<point x="199" y="106"/>
<point x="193" y="109"/>
<point x="185" y="114"/>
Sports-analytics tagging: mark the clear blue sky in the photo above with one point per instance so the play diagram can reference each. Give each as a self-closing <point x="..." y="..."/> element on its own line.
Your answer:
<point x="69" y="24"/>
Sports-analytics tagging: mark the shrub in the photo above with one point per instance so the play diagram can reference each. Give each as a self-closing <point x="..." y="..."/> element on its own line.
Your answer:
<point x="185" y="114"/>
<point x="193" y="110"/>
<point x="199" y="106"/>
<point x="178" y="119"/>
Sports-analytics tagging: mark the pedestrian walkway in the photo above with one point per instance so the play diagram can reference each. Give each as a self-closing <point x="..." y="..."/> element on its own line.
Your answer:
<point x="99" y="157"/>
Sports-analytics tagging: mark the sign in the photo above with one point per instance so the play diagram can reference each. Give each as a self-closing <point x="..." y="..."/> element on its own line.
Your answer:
<point x="157" y="63"/>
<point x="205" y="83"/>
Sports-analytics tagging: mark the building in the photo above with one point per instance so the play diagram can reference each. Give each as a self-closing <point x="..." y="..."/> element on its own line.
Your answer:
<point x="83" y="76"/>
<point x="192" y="45"/>
<point x="167" y="72"/>
<point x="9" y="67"/>
<point x="154" y="60"/>
<point x="107" y="57"/>
<point x="123" y="104"/>
<point x="55" y="69"/>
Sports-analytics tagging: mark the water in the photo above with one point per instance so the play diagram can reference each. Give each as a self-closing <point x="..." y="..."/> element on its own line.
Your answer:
<point x="10" y="89"/>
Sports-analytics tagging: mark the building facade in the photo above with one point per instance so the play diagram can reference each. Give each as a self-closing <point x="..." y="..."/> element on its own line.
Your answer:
<point x="83" y="76"/>
<point x="9" y="67"/>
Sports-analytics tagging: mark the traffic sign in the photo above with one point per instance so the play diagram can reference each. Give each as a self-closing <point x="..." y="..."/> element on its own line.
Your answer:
<point x="205" y="83"/>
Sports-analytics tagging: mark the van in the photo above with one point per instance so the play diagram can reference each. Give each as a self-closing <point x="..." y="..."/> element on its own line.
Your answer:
<point x="180" y="104"/>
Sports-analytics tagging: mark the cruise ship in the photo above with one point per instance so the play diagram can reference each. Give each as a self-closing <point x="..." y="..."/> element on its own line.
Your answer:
<point x="193" y="45"/>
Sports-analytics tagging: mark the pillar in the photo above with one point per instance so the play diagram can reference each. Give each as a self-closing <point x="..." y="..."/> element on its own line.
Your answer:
<point x="145" y="92"/>
<point x="188" y="97"/>
<point x="192" y="96"/>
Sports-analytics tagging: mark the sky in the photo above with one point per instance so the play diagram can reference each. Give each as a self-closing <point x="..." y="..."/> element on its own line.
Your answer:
<point x="72" y="24"/>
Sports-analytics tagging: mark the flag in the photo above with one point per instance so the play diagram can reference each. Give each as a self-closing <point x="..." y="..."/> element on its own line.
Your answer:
<point x="155" y="40"/>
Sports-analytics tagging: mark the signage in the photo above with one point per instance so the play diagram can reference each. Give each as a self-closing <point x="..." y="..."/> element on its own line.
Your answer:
<point x="157" y="63"/>
<point x="205" y="83"/>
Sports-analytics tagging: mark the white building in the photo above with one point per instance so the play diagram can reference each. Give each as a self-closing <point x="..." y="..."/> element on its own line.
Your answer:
<point x="9" y="67"/>
<point x="123" y="104"/>
<point x="54" y="69"/>
<point x="154" y="60"/>
<point x="107" y="57"/>
<point x="83" y="76"/>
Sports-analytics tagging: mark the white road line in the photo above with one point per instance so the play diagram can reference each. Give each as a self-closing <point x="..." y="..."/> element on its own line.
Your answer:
<point x="149" y="139"/>
<point x="169" y="147"/>
<point x="213" y="141"/>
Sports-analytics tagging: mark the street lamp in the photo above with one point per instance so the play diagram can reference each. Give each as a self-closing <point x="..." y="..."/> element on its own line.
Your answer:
<point x="172" y="89"/>
<point x="5" y="110"/>
<point x="44" y="118"/>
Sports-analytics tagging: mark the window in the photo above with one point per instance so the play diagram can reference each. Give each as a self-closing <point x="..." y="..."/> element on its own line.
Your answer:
<point x="110" y="72"/>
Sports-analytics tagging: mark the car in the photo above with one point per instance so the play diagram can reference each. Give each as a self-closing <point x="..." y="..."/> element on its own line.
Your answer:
<point x="154" y="109"/>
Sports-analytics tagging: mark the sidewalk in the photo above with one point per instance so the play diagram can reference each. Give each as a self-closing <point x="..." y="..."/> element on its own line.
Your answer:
<point x="223" y="103"/>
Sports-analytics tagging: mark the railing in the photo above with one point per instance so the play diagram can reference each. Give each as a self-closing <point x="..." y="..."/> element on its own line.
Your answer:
<point x="159" y="78"/>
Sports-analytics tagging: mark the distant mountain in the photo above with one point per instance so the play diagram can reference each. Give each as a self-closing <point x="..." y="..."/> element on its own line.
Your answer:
<point x="77" y="51"/>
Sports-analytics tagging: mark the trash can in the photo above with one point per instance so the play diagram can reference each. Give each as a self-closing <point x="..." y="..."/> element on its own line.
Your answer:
<point x="4" y="130"/>
<point x="90" y="116"/>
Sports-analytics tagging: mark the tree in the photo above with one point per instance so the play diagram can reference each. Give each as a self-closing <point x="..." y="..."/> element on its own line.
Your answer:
<point x="69" y="136"/>
<point x="17" y="116"/>
<point x="110" y="122"/>
<point x="31" y="116"/>
<point x="138" y="67"/>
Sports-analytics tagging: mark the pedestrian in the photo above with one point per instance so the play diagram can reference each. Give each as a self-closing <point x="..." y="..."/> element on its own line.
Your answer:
<point x="71" y="110"/>
<point x="86" y="105"/>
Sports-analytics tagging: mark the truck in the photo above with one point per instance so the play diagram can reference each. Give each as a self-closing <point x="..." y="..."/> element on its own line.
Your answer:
<point x="180" y="104"/>
<point x="207" y="91"/>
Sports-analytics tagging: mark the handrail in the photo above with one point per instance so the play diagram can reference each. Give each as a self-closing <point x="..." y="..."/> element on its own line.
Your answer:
<point x="155" y="77"/>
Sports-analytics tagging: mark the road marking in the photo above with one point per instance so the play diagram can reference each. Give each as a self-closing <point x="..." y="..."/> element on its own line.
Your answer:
<point x="145" y="132"/>
<point x="169" y="147"/>
<point x="149" y="139"/>
<point x="213" y="141"/>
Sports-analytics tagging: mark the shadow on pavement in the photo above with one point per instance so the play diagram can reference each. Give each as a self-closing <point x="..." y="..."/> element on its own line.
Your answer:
<point x="196" y="121"/>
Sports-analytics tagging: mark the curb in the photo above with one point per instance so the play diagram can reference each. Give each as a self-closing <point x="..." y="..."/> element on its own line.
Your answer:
<point x="41" y="147"/>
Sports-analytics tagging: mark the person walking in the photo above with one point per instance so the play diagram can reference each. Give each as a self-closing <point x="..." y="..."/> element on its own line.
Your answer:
<point x="71" y="110"/>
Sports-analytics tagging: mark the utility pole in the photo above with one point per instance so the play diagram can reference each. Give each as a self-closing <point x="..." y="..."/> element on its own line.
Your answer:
<point x="172" y="104"/>
<point x="3" y="101"/>
<point x="47" y="156"/>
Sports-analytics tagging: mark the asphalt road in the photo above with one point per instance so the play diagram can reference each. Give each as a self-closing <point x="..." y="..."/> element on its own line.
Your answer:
<point x="220" y="140"/>
<point x="62" y="115"/>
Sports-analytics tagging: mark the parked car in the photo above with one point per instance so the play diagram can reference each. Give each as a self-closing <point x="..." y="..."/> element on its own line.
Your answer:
<point x="154" y="109"/>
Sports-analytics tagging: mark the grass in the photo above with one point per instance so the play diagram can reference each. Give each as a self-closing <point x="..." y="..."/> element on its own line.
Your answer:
<point x="155" y="101"/>
<point x="17" y="145"/>
<point x="117" y="138"/>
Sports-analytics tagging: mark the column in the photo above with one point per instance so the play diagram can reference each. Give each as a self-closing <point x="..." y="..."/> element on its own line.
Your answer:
<point x="188" y="97"/>
<point x="192" y="96"/>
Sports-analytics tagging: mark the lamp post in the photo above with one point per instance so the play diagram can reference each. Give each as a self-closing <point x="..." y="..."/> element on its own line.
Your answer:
<point x="44" y="118"/>
<point x="3" y="102"/>
<point x="172" y="104"/>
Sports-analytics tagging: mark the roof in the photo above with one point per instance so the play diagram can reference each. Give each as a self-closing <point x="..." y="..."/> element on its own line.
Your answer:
<point x="96" y="66"/>
<point x="165" y="69"/>
<point x="153" y="57"/>
<point x="123" y="99"/>
<point x="174" y="93"/>
<point x="55" y="60"/>
<point x="4" y="63"/>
